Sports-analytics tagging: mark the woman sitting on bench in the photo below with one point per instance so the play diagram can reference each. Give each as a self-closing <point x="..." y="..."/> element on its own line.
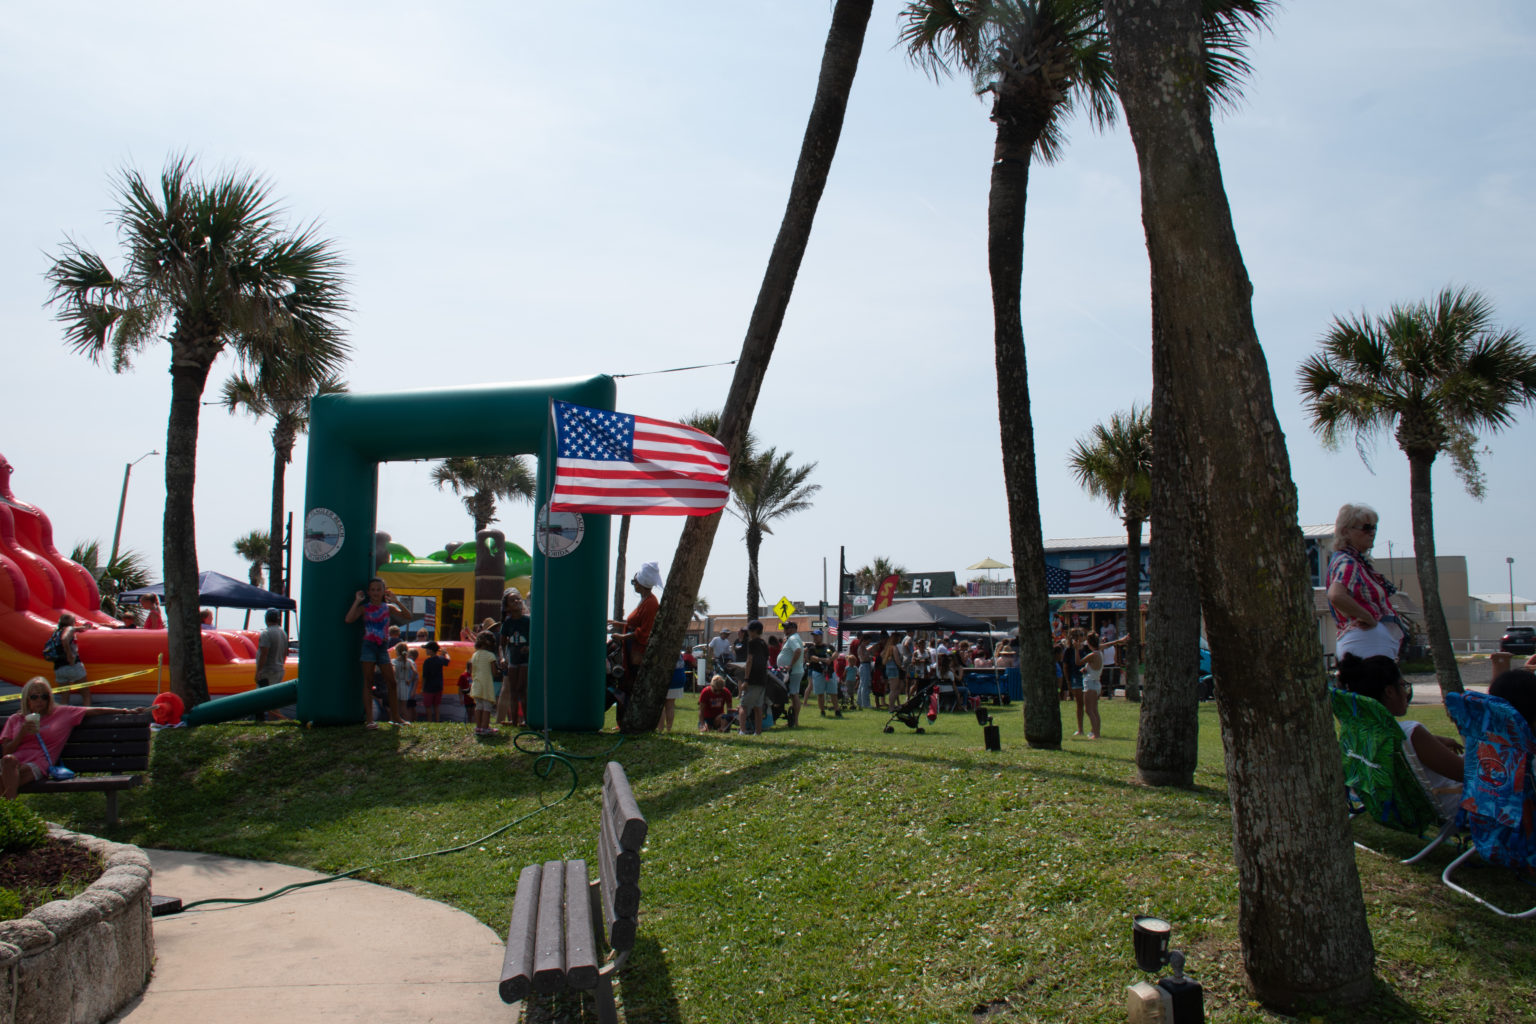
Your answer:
<point x="24" y="737"/>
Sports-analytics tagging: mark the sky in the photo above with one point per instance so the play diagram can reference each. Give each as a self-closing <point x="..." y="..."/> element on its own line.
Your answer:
<point x="515" y="204"/>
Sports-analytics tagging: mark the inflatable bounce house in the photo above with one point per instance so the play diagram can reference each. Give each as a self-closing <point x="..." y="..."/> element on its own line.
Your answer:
<point x="440" y="588"/>
<point x="38" y="584"/>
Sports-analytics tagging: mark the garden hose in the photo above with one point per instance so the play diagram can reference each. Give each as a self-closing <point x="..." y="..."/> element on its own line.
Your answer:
<point x="544" y="764"/>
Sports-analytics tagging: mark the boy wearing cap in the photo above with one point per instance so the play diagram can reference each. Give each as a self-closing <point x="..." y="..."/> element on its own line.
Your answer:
<point x="754" y="694"/>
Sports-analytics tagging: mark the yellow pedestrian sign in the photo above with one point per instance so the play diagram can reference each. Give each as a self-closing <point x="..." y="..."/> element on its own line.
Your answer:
<point x="784" y="609"/>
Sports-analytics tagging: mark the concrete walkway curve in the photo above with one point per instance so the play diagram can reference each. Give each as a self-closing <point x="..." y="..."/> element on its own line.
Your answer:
<point x="343" y="952"/>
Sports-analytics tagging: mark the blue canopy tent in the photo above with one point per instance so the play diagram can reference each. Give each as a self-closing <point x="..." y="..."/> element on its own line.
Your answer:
<point x="219" y="591"/>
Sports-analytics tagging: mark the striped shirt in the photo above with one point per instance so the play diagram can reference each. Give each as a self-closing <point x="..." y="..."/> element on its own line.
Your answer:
<point x="1367" y="586"/>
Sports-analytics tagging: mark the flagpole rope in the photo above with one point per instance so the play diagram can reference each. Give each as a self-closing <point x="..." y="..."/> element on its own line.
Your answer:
<point x="675" y="369"/>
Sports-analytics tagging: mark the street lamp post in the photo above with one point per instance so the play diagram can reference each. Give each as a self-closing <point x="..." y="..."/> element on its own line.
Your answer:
<point x="1511" y="563"/>
<point x="122" y="501"/>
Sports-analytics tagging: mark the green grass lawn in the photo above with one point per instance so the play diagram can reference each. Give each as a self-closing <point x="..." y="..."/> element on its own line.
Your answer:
<point x="833" y="872"/>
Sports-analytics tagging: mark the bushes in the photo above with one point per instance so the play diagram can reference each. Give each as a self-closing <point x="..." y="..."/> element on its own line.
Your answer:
<point x="20" y="828"/>
<point x="11" y="906"/>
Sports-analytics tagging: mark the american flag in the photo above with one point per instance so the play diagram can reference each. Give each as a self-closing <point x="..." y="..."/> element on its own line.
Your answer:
<point x="633" y="465"/>
<point x="1108" y="577"/>
<point x="831" y="627"/>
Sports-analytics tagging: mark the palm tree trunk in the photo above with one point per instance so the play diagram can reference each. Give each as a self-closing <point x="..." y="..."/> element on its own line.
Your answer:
<point x="1421" y="507"/>
<point x="1132" y="609"/>
<point x="1005" y="260"/>
<point x="184" y="634"/>
<point x="282" y="454"/>
<point x="1168" y="739"/>
<point x="754" y="591"/>
<point x="839" y="62"/>
<point x="1301" y="918"/>
<point x="618" y="568"/>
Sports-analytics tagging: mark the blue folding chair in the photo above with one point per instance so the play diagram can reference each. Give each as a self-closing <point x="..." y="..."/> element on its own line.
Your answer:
<point x="1499" y="798"/>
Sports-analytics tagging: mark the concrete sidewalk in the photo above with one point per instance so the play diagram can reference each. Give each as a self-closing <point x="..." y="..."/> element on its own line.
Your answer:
<point x="342" y="952"/>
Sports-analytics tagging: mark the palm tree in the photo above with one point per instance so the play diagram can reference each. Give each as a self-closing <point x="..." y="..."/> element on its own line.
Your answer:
<point x="1437" y="374"/>
<point x="1114" y="462"/>
<point x="483" y="480"/>
<point x="767" y="489"/>
<point x="1302" y="944"/>
<point x="282" y="386"/>
<point x="210" y="267"/>
<point x="1040" y="60"/>
<point x="254" y="547"/>
<point x="701" y="607"/>
<point x="869" y="576"/>
<point x="128" y="571"/>
<point x="839" y="62"/>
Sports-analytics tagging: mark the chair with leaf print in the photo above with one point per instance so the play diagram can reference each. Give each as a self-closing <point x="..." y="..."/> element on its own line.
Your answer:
<point x="1378" y="774"/>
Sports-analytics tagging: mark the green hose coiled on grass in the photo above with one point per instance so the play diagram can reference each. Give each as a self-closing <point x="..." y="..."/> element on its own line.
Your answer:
<point x="545" y="761"/>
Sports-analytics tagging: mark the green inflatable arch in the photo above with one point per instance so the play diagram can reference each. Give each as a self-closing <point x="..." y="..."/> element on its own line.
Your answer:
<point x="349" y="435"/>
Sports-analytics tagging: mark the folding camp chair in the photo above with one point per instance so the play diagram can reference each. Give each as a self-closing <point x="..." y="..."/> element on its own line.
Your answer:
<point x="1379" y="776"/>
<point x="1499" y="799"/>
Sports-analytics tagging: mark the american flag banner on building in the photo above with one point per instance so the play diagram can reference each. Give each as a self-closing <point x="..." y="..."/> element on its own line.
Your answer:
<point x="633" y="465"/>
<point x="1108" y="577"/>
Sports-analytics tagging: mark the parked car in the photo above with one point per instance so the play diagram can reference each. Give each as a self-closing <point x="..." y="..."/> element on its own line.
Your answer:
<point x="1519" y="640"/>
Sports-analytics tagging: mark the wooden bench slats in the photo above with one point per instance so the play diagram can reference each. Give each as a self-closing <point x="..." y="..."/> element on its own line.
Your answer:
<point x="95" y="783"/>
<point x="121" y="720"/>
<point x="581" y="959"/>
<point x="630" y="825"/>
<point x="556" y="932"/>
<point x="549" y="943"/>
<point x="98" y="744"/>
<point x="106" y="764"/>
<point x="620" y="899"/>
<point x="517" y="965"/>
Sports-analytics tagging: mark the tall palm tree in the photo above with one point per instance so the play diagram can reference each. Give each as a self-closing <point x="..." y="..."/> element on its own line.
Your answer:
<point x="210" y="267"/>
<point x="701" y="607"/>
<point x="254" y="547"/>
<point x="282" y="386"/>
<point x="483" y="480"/>
<point x="1039" y="60"/>
<point x="1307" y="943"/>
<point x="869" y="576"/>
<point x="764" y="490"/>
<point x="1437" y="374"/>
<point x="839" y="62"/>
<point x="1114" y="462"/>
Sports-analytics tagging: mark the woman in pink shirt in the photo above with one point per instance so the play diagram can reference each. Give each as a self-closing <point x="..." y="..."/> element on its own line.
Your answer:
<point x="1360" y="596"/>
<point x="23" y="739"/>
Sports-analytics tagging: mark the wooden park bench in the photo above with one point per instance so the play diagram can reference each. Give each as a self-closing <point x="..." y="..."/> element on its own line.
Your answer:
<point x="102" y="749"/>
<point x="559" y="915"/>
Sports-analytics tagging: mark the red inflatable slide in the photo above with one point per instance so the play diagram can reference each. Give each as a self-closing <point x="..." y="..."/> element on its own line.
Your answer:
<point x="38" y="584"/>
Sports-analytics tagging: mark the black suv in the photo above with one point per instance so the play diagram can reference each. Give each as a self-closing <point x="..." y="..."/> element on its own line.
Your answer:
<point x="1519" y="640"/>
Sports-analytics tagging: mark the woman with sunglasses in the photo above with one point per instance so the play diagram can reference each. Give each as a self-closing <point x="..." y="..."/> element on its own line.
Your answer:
<point x="23" y="739"/>
<point x="1360" y="596"/>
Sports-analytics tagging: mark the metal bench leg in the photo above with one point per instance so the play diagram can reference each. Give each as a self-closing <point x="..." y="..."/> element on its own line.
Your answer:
<point x="607" y="1009"/>
<point x="112" y="808"/>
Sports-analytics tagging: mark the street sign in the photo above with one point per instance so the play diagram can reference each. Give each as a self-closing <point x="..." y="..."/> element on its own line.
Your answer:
<point x="818" y="623"/>
<point x="784" y="609"/>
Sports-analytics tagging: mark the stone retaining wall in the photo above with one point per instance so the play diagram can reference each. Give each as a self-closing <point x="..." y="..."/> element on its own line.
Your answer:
<point x="79" y="961"/>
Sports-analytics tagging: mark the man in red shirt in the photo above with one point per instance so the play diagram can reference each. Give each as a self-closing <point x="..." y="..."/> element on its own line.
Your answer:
<point x="714" y="706"/>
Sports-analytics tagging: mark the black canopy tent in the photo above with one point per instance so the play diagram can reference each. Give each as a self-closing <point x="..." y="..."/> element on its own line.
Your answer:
<point x="219" y="591"/>
<point x="915" y="615"/>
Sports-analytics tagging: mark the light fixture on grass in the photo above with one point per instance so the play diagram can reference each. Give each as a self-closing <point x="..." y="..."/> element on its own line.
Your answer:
<point x="1173" y="1000"/>
<point x="990" y="733"/>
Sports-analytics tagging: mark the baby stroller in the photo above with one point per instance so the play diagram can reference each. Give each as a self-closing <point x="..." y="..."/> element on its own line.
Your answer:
<point x="917" y="705"/>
